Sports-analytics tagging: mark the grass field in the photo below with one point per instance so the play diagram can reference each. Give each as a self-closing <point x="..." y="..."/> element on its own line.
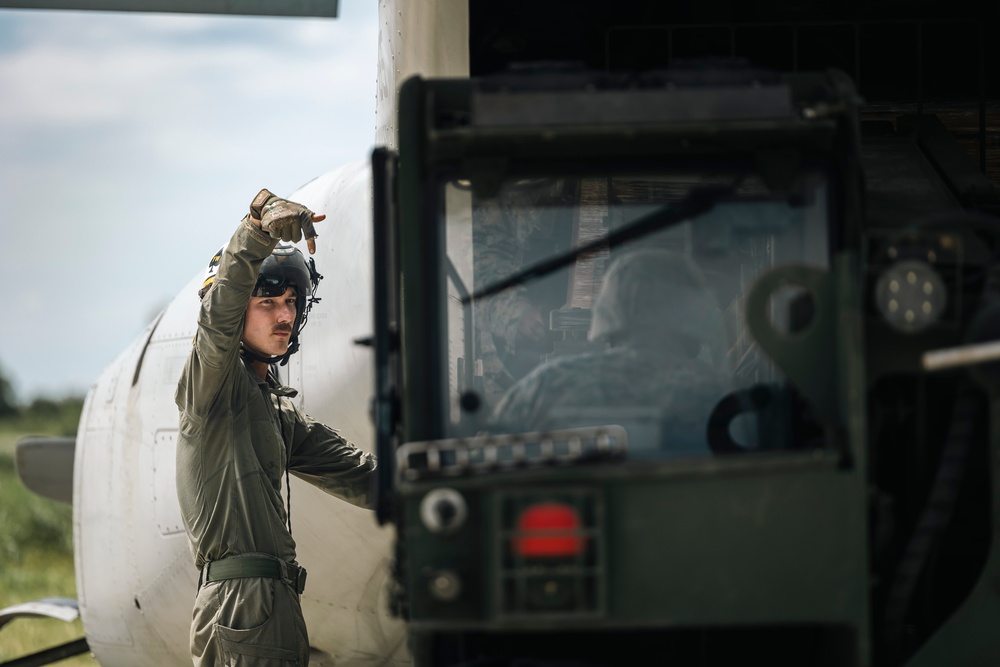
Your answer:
<point x="36" y="558"/>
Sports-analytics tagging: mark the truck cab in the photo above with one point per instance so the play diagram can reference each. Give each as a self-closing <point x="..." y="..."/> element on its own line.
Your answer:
<point x="692" y="456"/>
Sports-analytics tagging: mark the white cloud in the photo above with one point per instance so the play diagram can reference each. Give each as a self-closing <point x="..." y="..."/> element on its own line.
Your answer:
<point x="129" y="144"/>
<point x="79" y="74"/>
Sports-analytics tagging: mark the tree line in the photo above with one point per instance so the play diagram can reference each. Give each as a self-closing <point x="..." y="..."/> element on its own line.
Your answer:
<point x="58" y="414"/>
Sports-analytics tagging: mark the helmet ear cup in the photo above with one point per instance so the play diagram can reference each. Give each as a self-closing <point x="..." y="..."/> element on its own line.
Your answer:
<point x="301" y="304"/>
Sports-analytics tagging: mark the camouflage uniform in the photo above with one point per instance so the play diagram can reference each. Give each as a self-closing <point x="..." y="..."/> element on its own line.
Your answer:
<point x="509" y="232"/>
<point x="568" y="391"/>
<point x="237" y="435"/>
<point x="655" y="306"/>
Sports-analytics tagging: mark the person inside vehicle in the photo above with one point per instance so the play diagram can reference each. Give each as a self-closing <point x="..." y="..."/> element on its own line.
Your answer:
<point x="662" y="325"/>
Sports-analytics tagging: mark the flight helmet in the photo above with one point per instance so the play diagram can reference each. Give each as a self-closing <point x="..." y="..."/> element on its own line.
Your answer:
<point x="654" y="295"/>
<point x="285" y="267"/>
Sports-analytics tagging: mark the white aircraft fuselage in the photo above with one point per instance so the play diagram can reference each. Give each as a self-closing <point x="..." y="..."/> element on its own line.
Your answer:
<point x="136" y="580"/>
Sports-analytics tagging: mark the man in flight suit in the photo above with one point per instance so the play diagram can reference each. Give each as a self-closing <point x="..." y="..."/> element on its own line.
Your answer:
<point x="240" y="434"/>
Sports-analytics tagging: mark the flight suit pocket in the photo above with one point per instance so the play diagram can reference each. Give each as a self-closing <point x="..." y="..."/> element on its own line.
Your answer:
<point x="270" y="640"/>
<point x="254" y="647"/>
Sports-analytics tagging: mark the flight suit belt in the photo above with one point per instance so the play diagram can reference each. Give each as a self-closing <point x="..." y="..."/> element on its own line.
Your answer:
<point x="255" y="566"/>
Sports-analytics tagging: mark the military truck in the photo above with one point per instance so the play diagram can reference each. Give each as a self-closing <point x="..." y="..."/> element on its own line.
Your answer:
<point x="811" y="482"/>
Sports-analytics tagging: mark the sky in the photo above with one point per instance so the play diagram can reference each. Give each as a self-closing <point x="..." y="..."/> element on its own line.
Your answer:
<point x="131" y="145"/>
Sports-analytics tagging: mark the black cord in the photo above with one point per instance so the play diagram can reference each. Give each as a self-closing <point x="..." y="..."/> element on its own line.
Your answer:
<point x="288" y="499"/>
<point x="933" y="521"/>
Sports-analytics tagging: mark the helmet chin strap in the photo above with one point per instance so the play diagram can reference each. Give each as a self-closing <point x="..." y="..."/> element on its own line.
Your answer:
<point x="281" y="360"/>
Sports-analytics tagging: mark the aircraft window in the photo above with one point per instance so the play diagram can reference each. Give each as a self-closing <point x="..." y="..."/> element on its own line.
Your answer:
<point x="619" y="299"/>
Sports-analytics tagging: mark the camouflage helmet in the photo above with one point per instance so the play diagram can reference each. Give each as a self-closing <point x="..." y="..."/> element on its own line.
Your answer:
<point x="653" y="294"/>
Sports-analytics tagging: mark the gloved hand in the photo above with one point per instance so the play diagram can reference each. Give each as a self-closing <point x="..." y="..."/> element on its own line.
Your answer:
<point x="285" y="220"/>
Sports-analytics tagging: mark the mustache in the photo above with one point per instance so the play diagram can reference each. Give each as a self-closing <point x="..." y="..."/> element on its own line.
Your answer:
<point x="283" y="327"/>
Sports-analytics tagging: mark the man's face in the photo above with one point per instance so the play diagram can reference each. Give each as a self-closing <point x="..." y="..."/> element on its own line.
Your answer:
<point x="267" y="328"/>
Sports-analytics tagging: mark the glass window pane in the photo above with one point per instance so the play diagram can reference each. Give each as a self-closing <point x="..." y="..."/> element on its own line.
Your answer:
<point x="625" y="306"/>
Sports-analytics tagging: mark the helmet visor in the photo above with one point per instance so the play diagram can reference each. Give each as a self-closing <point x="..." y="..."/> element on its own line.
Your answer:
<point x="272" y="286"/>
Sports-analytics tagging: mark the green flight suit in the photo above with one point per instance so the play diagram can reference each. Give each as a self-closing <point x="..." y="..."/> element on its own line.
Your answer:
<point x="237" y="434"/>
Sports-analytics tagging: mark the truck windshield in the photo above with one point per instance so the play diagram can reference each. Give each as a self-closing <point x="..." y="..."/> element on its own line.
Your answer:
<point x="618" y="299"/>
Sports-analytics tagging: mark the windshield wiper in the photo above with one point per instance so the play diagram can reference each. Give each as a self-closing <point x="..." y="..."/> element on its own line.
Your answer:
<point x="697" y="202"/>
